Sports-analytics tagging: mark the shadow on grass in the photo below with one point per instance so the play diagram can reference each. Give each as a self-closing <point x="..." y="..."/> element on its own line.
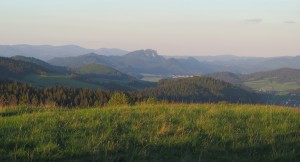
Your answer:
<point x="18" y="111"/>
<point x="197" y="150"/>
<point x="185" y="152"/>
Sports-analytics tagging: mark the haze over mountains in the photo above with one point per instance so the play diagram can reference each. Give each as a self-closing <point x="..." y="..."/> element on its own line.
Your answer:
<point x="116" y="69"/>
<point x="140" y="62"/>
<point x="152" y="62"/>
<point x="149" y="61"/>
<point x="46" y="52"/>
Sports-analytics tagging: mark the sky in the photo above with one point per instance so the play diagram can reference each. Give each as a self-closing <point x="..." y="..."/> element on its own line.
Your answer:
<point x="172" y="27"/>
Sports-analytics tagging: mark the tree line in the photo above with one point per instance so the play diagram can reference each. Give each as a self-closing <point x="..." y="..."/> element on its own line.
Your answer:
<point x="197" y="89"/>
<point x="200" y="89"/>
<point x="13" y="93"/>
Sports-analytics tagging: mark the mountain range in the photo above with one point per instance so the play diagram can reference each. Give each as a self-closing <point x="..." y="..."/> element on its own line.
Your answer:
<point x="278" y="74"/>
<point x="245" y="65"/>
<point x="117" y="58"/>
<point x="150" y="62"/>
<point x="140" y="62"/>
<point x="99" y="71"/>
<point x="257" y="64"/>
<point x="41" y="74"/>
<point x="46" y="52"/>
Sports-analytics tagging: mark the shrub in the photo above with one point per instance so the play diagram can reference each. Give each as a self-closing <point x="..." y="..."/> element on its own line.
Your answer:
<point x="151" y="100"/>
<point x="118" y="98"/>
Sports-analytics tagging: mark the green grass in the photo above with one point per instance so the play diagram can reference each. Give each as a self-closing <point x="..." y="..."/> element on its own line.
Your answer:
<point x="269" y="85"/>
<point x="152" y="77"/>
<point x="164" y="132"/>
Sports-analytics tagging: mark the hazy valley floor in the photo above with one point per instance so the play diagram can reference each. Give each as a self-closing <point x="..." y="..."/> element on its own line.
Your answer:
<point x="160" y="132"/>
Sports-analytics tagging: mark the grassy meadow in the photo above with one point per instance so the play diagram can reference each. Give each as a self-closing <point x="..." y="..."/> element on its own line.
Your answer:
<point x="151" y="77"/>
<point x="151" y="132"/>
<point x="269" y="85"/>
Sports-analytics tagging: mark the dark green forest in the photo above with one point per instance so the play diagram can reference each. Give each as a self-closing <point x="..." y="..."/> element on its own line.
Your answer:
<point x="185" y="90"/>
<point x="200" y="89"/>
<point x="13" y="93"/>
<point x="197" y="89"/>
<point x="10" y="67"/>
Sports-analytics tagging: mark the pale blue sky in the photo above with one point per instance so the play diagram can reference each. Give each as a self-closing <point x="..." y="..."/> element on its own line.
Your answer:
<point x="173" y="27"/>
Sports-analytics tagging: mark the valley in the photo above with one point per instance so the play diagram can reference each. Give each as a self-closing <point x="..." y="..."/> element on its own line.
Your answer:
<point x="144" y="72"/>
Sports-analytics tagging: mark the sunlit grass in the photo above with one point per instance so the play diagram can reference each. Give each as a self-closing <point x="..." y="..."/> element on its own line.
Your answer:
<point x="161" y="132"/>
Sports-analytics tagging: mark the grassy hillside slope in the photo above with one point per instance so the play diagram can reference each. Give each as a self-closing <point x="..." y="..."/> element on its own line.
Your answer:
<point x="165" y="132"/>
<point x="281" y="80"/>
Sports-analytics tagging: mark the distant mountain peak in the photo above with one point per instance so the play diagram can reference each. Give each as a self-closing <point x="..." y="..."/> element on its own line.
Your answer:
<point x="111" y="52"/>
<point x="144" y="53"/>
<point x="151" y="53"/>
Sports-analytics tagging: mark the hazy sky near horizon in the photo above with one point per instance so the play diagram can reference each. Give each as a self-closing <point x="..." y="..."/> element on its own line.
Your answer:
<point x="172" y="27"/>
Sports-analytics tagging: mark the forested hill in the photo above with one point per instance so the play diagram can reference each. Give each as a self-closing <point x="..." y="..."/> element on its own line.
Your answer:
<point x="279" y="75"/>
<point x="40" y="63"/>
<point x="16" y="68"/>
<point x="200" y="89"/>
<point x="103" y="71"/>
<point x="227" y="77"/>
<point x="41" y="74"/>
<point x="279" y="81"/>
